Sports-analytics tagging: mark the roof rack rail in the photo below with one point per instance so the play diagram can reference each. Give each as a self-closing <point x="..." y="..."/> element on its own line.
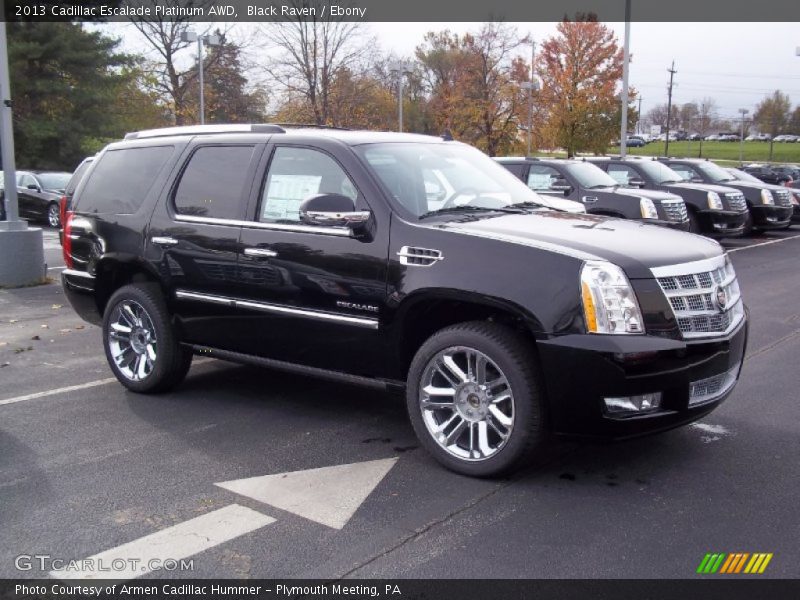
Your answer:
<point x="310" y="126"/>
<point x="205" y="129"/>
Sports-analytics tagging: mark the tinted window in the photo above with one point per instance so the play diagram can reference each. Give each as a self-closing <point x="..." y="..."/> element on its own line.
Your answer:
<point x="517" y="170"/>
<point x="213" y="183"/>
<point x="685" y="171"/>
<point x="26" y="179"/>
<point x="122" y="178"/>
<point x="76" y="177"/>
<point x="296" y="174"/>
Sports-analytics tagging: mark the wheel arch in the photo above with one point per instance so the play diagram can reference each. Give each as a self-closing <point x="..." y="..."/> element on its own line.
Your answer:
<point x="116" y="270"/>
<point x="423" y="313"/>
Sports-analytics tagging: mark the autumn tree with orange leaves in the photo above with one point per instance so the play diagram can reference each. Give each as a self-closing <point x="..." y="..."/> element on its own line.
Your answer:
<point x="580" y="68"/>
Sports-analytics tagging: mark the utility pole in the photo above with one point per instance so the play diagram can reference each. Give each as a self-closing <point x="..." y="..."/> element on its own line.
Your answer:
<point x="639" y="118"/>
<point x="671" y="72"/>
<point x="743" y="112"/>
<point x="623" y="126"/>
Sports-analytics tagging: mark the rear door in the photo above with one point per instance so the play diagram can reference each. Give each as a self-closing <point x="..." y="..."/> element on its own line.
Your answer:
<point x="193" y="237"/>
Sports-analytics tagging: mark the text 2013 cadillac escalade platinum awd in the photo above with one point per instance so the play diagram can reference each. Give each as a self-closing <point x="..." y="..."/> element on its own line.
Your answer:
<point x="324" y="252"/>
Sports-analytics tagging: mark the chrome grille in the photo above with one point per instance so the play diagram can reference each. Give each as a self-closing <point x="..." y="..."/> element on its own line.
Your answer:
<point x="736" y="201"/>
<point x="782" y="198"/>
<point x="711" y="388"/>
<point x="675" y="210"/>
<point x="704" y="296"/>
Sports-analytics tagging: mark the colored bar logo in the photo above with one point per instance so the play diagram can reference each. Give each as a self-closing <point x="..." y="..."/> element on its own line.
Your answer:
<point x="737" y="562"/>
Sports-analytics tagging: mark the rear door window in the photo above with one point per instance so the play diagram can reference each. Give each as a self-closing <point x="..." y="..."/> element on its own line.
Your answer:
<point x="122" y="179"/>
<point x="215" y="182"/>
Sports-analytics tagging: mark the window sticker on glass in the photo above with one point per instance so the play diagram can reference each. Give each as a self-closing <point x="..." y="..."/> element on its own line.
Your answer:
<point x="285" y="193"/>
<point x="539" y="181"/>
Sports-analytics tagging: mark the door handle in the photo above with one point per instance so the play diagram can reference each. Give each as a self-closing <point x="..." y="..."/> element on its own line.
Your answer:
<point x="260" y="252"/>
<point x="164" y="241"/>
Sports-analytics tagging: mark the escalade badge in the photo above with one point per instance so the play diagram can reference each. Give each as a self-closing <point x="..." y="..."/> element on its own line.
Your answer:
<point x="722" y="298"/>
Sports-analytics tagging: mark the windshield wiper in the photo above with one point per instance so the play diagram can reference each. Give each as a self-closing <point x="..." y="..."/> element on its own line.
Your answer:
<point x="466" y="208"/>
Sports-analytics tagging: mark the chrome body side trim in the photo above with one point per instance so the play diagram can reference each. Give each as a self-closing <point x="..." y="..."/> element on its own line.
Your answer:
<point x="279" y="309"/>
<point x="74" y="273"/>
<point x="260" y="252"/>
<point x="164" y="241"/>
<point x="337" y="231"/>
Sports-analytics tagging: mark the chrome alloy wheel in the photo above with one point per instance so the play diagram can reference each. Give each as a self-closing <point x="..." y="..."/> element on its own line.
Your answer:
<point x="53" y="215"/>
<point x="467" y="403"/>
<point x="132" y="340"/>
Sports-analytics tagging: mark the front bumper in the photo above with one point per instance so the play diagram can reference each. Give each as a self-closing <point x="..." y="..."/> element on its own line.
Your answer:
<point x="771" y="217"/>
<point x="581" y="370"/>
<point x="723" y="223"/>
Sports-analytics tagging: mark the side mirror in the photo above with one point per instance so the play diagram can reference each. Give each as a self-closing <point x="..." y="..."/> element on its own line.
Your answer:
<point x="697" y="180"/>
<point x="561" y="185"/>
<point x="637" y="181"/>
<point x="33" y="186"/>
<point x="333" y="210"/>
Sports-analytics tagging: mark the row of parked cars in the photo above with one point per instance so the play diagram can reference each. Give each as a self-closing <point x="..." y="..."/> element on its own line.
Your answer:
<point x="682" y="193"/>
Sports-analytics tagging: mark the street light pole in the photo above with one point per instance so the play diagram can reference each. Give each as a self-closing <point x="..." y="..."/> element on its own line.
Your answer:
<point x="401" y="67"/>
<point x="208" y="40"/>
<point x="623" y="127"/>
<point x="7" y="139"/>
<point x="743" y="112"/>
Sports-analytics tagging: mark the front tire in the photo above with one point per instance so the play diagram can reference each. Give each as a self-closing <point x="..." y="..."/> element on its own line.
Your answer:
<point x="475" y="400"/>
<point x="140" y="342"/>
<point x="694" y="223"/>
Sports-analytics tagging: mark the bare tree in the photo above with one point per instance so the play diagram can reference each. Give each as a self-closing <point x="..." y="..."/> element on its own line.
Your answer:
<point x="164" y="36"/>
<point x="311" y="52"/>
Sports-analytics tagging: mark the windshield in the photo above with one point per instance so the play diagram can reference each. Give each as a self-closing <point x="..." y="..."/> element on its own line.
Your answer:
<point x="54" y="181"/>
<point x="428" y="178"/>
<point x="715" y="173"/>
<point x="744" y="175"/>
<point x="590" y="176"/>
<point x="659" y="173"/>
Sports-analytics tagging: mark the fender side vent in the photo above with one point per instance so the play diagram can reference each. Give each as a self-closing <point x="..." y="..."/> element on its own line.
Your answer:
<point x="419" y="257"/>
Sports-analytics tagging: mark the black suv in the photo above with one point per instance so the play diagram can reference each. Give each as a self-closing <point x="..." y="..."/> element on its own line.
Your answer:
<point x="600" y="194"/>
<point x="322" y="252"/>
<point x="714" y="210"/>
<point x="770" y="207"/>
<point x="766" y="174"/>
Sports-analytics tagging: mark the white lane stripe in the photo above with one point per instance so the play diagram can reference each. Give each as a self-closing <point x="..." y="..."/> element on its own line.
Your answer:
<point x="769" y="243"/>
<point x="180" y="541"/>
<point x="63" y="390"/>
<point x="80" y="386"/>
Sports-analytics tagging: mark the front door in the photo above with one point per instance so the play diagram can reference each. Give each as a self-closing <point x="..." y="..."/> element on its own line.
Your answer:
<point x="315" y="293"/>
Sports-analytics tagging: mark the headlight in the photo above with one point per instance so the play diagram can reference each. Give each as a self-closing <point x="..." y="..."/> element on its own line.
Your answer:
<point x="766" y="197"/>
<point x="609" y="303"/>
<point x="714" y="201"/>
<point x="648" y="208"/>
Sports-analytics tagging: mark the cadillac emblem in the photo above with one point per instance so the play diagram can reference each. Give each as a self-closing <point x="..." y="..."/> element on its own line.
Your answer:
<point x="722" y="298"/>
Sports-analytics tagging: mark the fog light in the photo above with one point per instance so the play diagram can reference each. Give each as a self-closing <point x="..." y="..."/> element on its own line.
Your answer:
<point x="633" y="405"/>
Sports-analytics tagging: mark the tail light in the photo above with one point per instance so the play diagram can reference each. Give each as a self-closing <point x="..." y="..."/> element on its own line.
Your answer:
<point x="66" y="232"/>
<point x="62" y="210"/>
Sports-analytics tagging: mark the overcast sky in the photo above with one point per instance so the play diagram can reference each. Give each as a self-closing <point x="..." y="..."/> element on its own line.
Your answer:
<point x="737" y="64"/>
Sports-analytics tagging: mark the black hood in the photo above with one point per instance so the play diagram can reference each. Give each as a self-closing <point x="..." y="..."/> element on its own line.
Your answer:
<point x="632" y="245"/>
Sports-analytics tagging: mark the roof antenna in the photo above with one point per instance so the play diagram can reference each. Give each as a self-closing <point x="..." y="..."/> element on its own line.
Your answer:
<point x="447" y="136"/>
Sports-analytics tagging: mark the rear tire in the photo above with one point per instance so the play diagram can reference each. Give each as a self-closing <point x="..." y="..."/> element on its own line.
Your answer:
<point x="475" y="399"/>
<point x="141" y="346"/>
<point x="53" y="215"/>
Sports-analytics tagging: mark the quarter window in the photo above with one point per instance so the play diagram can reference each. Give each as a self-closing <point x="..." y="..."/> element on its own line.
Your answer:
<point x="296" y="174"/>
<point x="122" y="179"/>
<point x="213" y="184"/>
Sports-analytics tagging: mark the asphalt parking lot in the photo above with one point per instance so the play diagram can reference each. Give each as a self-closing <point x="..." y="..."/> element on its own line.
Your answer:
<point x="88" y="469"/>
